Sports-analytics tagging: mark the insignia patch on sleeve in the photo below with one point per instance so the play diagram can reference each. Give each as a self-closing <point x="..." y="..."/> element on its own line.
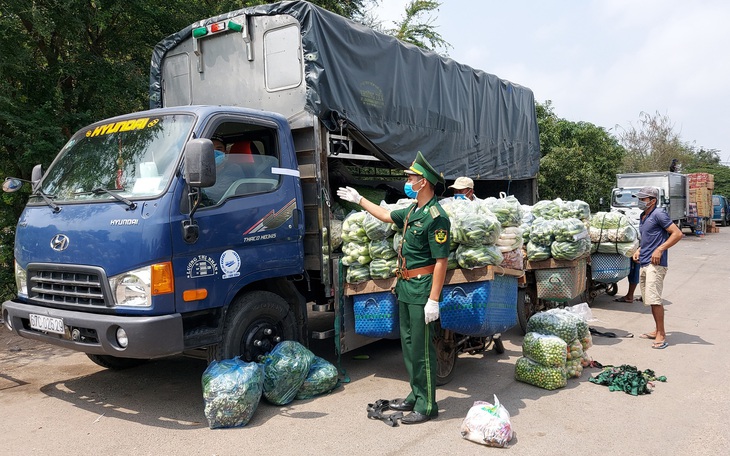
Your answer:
<point x="441" y="236"/>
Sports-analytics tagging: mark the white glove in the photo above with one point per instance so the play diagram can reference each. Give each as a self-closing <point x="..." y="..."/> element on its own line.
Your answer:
<point x="431" y="311"/>
<point x="349" y="194"/>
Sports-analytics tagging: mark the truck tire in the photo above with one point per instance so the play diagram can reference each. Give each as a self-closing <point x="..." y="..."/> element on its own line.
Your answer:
<point x="446" y="355"/>
<point x="254" y="324"/>
<point x="114" y="362"/>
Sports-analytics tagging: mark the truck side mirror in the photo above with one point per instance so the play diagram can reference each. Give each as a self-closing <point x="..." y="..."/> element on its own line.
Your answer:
<point x="200" y="163"/>
<point x="36" y="174"/>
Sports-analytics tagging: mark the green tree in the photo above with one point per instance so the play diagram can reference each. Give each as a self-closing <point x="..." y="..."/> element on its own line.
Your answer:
<point x="417" y="26"/>
<point x="579" y="159"/>
<point x="652" y="144"/>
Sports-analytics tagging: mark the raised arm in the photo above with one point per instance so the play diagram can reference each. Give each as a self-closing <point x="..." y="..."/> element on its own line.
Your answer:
<point x="351" y="195"/>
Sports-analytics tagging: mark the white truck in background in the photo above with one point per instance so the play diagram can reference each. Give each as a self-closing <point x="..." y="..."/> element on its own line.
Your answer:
<point x="673" y="194"/>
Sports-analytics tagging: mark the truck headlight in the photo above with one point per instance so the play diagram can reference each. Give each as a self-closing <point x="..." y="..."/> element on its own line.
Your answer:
<point x="21" y="281"/>
<point x="132" y="288"/>
<point x="136" y="288"/>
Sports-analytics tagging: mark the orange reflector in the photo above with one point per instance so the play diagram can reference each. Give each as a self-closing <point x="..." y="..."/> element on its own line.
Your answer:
<point x="162" y="279"/>
<point x="217" y="27"/>
<point x="195" y="295"/>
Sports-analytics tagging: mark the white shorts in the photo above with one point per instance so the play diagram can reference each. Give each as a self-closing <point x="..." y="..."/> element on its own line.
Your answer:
<point x="651" y="281"/>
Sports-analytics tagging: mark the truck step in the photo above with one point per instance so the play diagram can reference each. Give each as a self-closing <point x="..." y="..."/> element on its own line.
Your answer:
<point x="199" y="337"/>
<point x="330" y="333"/>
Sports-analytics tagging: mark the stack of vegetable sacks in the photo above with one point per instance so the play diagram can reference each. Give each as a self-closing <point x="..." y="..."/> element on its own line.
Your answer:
<point x="558" y="230"/>
<point x="509" y="214"/>
<point x="475" y="230"/>
<point x="554" y="349"/>
<point x="368" y="248"/>
<point x="612" y="232"/>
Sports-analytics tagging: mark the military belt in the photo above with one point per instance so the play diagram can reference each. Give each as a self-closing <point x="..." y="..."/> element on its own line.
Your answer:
<point x="407" y="274"/>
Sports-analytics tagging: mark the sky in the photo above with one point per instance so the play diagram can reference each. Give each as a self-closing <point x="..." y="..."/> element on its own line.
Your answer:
<point x="603" y="62"/>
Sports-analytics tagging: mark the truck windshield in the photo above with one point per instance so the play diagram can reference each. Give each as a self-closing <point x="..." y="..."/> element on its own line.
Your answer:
<point x="131" y="158"/>
<point x="625" y="197"/>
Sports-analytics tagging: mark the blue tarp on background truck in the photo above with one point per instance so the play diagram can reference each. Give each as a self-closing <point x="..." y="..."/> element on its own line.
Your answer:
<point x="484" y="126"/>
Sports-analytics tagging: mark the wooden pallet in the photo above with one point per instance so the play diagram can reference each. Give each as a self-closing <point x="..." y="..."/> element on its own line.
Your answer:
<point x="452" y="277"/>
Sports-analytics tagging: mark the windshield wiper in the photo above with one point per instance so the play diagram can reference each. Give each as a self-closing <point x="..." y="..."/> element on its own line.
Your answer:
<point x="132" y="205"/>
<point x="47" y="198"/>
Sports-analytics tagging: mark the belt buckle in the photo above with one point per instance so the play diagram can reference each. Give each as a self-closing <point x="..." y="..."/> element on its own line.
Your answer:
<point x="402" y="274"/>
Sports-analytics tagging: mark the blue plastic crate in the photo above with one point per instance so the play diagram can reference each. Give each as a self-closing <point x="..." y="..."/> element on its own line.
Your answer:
<point x="376" y="315"/>
<point x="609" y="267"/>
<point x="480" y="308"/>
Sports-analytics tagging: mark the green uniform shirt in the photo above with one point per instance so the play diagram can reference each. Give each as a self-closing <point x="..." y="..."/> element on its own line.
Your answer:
<point x="425" y="240"/>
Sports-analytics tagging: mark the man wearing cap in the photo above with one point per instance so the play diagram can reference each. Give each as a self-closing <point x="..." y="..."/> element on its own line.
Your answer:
<point x="658" y="234"/>
<point x="422" y="261"/>
<point x="464" y="188"/>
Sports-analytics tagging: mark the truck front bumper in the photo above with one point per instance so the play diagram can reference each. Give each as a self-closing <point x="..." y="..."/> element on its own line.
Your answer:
<point x="149" y="337"/>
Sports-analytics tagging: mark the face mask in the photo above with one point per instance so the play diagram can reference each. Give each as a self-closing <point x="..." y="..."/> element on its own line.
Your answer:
<point x="643" y="204"/>
<point x="219" y="156"/>
<point x="460" y="196"/>
<point x="408" y="189"/>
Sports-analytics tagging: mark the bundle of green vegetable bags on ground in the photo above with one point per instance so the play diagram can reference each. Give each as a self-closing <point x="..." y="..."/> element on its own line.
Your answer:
<point x="555" y="345"/>
<point x="232" y="390"/>
<point x="612" y="232"/>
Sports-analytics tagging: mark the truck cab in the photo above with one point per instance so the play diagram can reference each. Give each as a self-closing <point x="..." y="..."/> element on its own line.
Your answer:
<point x="136" y="233"/>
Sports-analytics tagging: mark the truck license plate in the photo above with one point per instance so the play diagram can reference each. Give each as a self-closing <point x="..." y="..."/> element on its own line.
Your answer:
<point x="48" y="324"/>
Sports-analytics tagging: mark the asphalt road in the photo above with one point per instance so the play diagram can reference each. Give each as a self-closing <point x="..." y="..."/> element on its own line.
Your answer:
<point x="54" y="401"/>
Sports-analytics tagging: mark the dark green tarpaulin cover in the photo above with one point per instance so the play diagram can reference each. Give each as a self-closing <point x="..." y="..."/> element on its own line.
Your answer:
<point x="403" y="99"/>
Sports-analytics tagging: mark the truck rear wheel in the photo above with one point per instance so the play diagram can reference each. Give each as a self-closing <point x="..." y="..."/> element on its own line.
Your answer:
<point x="114" y="362"/>
<point x="254" y="324"/>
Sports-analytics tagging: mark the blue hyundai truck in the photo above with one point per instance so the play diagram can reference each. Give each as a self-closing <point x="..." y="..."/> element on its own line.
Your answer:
<point x="141" y="241"/>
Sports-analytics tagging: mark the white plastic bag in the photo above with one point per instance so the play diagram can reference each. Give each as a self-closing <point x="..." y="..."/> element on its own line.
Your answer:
<point x="582" y="310"/>
<point x="487" y="424"/>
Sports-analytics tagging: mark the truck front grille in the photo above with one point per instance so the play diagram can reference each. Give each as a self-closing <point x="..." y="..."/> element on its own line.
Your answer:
<point x="54" y="287"/>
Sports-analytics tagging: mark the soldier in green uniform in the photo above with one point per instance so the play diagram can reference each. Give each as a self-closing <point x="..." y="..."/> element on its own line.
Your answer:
<point x="422" y="261"/>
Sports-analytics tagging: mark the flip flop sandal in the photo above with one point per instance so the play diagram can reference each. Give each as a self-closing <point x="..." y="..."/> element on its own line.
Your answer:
<point x="660" y="345"/>
<point x="647" y="336"/>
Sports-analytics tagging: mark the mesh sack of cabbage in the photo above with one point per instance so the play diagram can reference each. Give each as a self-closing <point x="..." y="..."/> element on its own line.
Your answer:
<point x="231" y="390"/>
<point x="322" y="377"/>
<point x="488" y="424"/>
<point x="285" y="369"/>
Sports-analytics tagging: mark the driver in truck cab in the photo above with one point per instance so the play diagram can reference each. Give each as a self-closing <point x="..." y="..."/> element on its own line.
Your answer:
<point x="225" y="173"/>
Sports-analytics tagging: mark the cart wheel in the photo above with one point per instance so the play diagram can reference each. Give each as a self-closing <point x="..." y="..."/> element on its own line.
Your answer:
<point x="526" y="306"/>
<point x="612" y="289"/>
<point x="446" y="354"/>
<point x="498" y="345"/>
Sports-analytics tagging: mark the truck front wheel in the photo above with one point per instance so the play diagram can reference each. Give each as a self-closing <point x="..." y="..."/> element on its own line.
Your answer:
<point x="254" y="324"/>
<point x="114" y="362"/>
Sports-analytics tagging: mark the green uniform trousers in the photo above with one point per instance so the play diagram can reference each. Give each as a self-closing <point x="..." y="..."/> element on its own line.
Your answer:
<point x="419" y="355"/>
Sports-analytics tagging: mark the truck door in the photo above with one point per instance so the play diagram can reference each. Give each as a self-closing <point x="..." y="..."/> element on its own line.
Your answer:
<point x="250" y="226"/>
